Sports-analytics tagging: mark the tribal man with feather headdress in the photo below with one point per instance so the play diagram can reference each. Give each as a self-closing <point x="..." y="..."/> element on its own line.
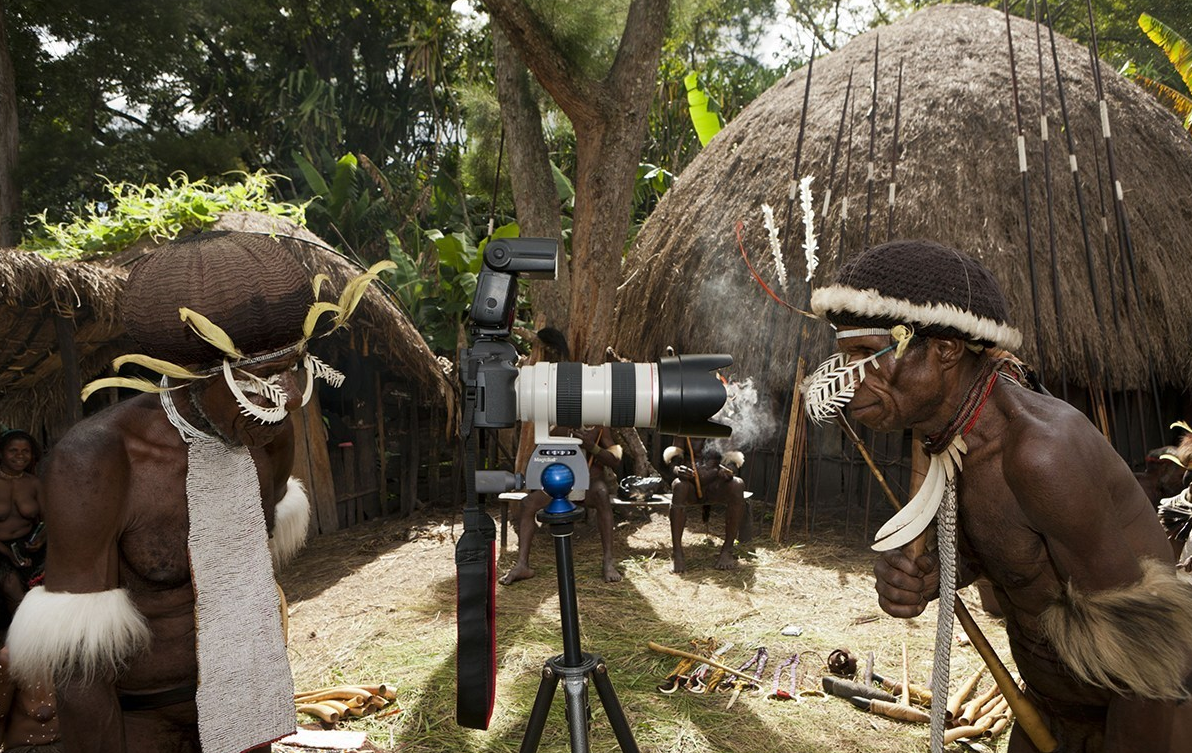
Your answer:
<point x="1026" y="492"/>
<point x="170" y="510"/>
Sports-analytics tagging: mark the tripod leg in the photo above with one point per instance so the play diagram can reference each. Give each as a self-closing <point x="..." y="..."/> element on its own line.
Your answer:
<point x="612" y="707"/>
<point x="542" y="701"/>
<point x="579" y="715"/>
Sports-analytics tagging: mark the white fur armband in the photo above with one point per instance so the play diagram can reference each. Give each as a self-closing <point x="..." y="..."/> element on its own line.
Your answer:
<point x="1134" y="640"/>
<point x="734" y="459"/>
<point x="57" y="636"/>
<point x="615" y="451"/>
<point x="291" y="521"/>
<point x="671" y="455"/>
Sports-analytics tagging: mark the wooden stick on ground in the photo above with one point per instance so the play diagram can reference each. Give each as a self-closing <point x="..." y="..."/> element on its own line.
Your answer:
<point x="906" y="678"/>
<point x="957" y="699"/>
<point x="696" y="657"/>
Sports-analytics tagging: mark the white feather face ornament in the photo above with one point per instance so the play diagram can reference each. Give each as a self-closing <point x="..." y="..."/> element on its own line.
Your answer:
<point x="250" y="385"/>
<point x="831" y="386"/>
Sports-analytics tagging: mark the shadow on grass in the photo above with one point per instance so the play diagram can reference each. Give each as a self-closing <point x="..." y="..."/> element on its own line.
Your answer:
<point x="616" y="620"/>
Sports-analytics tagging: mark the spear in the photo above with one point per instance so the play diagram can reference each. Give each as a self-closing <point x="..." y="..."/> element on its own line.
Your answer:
<point x="1119" y="206"/>
<point x="1055" y="265"/>
<point x="872" y="139"/>
<point x="790" y="233"/>
<point x="1026" y="195"/>
<point x="848" y="90"/>
<point x="793" y="189"/>
<point x="1084" y="227"/>
<point x="894" y="156"/>
<point x="848" y="161"/>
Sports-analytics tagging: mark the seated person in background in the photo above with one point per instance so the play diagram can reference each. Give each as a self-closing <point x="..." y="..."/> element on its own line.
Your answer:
<point x="1162" y="477"/>
<point x="28" y="716"/>
<point x="604" y="457"/>
<point x="21" y="543"/>
<point x="710" y="478"/>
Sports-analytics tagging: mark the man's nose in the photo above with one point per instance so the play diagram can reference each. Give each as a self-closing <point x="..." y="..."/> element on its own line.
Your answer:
<point x="293" y="383"/>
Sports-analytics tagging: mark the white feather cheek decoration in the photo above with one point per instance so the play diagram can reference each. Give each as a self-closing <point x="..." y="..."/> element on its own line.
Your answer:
<point x="831" y="386"/>
<point x="317" y="369"/>
<point x="272" y="392"/>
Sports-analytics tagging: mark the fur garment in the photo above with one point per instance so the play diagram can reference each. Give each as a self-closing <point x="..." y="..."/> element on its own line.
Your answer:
<point x="58" y="637"/>
<point x="1133" y="640"/>
<point x="672" y="455"/>
<point x="291" y="523"/>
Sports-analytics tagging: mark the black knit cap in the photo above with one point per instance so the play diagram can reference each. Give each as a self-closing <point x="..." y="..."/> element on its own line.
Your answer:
<point x="251" y="285"/>
<point x="937" y="290"/>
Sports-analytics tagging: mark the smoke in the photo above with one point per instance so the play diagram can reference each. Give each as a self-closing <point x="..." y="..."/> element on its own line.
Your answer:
<point x="750" y="416"/>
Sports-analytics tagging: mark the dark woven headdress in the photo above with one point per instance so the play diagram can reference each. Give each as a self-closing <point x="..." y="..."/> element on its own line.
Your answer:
<point x="937" y="290"/>
<point x="250" y="285"/>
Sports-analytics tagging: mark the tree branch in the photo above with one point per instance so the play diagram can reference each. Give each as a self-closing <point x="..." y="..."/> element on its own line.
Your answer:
<point x="570" y="88"/>
<point x="645" y="27"/>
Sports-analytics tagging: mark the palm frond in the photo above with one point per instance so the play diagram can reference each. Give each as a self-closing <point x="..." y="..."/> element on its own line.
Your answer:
<point x="1177" y="49"/>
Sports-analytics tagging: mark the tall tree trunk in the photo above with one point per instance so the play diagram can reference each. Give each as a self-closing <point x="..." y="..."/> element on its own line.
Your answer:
<point x="534" y="192"/>
<point x="610" y="119"/>
<point x="10" y="195"/>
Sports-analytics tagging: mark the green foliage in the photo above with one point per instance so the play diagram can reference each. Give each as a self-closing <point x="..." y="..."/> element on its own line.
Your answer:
<point x="1179" y="52"/>
<point x="436" y="285"/>
<point x="344" y="207"/>
<point x="161" y="213"/>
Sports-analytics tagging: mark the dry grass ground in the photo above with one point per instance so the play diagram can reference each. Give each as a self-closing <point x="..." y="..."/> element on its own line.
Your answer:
<point x="376" y="603"/>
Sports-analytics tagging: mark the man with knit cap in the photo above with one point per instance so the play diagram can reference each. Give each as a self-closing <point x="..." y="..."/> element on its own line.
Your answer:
<point x="169" y="511"/>
<point x="1024" y="490"/>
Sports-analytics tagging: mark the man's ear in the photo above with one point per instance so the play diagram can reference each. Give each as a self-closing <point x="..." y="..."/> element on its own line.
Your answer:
<point x="947" y="350"/>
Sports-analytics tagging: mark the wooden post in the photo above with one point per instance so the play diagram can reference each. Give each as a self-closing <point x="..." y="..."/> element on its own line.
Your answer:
<point x="410" y="467"/>
<point x="71" y="380"/>
<point x="383" y="475"/>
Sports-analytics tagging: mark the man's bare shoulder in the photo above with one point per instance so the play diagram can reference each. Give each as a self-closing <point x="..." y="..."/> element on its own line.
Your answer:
<point x="105" y="436"/>
<point x="1050" y="450"/>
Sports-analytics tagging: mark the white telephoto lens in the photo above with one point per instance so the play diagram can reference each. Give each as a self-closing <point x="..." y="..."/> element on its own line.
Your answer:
<point x="575" y="394"/>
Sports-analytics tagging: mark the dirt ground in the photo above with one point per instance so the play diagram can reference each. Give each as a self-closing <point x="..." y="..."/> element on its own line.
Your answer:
<point x="376" y="603"/>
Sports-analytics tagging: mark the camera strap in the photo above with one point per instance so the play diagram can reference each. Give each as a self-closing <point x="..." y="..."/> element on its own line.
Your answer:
<point x="476" y="603"/>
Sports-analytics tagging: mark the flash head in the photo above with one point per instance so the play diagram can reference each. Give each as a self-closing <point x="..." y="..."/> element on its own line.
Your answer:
<point x="495" y="301"/>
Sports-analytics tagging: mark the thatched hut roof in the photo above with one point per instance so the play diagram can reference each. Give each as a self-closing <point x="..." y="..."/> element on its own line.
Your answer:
<point x="85" y="296"/>
<point x="957" y="182"/>
<point x="39" y="297"/>
<point x="379" y="327"/>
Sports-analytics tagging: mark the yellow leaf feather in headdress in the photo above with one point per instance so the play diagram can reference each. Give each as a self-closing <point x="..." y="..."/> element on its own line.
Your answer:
<point x="165" y="368"/>
<point x="211" y="332"/>
<point x="132" y="383"/>
<point x="356" y="288"/>
<point x="1182" y="425"/>
<point x="313" y="314"/>
<point x="318" y="281"/>
<point x="902" y="335"/>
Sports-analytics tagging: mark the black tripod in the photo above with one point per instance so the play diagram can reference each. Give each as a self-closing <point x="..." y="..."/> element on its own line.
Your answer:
<point x="573" y="666"/>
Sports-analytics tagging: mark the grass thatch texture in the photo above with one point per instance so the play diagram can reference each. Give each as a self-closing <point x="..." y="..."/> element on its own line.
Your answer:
<point x="377" y="603"/>
<point x="958" y="182"/>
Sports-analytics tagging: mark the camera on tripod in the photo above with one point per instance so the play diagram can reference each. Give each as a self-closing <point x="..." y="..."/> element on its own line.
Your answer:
<point x="676" y="395"/>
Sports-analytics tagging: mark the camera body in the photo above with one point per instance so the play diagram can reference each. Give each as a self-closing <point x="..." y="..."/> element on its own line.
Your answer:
<point x="677" y="394"/>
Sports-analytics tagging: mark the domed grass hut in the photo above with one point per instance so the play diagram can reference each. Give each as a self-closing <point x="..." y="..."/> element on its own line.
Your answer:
<point x="373" y="448"/>
<point x="1104" y="322"/>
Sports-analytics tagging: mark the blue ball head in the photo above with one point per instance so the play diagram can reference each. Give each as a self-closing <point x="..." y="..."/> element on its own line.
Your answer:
<point x="557" y="481"/>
